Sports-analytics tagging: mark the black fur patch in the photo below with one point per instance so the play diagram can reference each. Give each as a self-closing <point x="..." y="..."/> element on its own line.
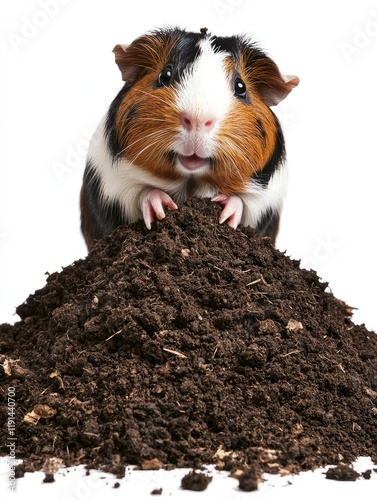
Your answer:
<point x="268" y="225"/>
<point x="261" y="130"/>
<point x="97" y="218"/>
<point x="275" y="161"/>
<point x="186" y="49"/>
<point x="110" y="131"/>
<point x="230" y="44"/>
<point x="128" y="119"/>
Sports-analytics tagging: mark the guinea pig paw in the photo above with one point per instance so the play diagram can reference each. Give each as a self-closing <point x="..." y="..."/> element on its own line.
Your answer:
<point x="153" y="205"/>
<point x="233" y="209"/>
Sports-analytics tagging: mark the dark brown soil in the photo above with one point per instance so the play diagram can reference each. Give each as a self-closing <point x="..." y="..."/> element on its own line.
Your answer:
<point x="195" y="481"/>
<point x="342" y="473"/>
<point x="249" y="479"/>
<point x="188" y="344"/>
<point x="157" y="491"/>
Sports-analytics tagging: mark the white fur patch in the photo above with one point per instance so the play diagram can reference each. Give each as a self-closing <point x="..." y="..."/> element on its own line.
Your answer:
<point x="204" y="94"/>
<point x="257" y="199"/>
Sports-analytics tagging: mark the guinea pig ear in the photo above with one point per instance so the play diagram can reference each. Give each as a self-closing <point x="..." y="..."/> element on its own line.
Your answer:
<point x="121" y="58"/>
<point x="143" y="54"/>
<point x="279" y="88"/>
<point x="270" y="83"/>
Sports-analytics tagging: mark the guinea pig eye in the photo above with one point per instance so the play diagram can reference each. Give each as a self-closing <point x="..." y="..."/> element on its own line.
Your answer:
<point x="239" y="88"/>
<point x="165" y="77"/>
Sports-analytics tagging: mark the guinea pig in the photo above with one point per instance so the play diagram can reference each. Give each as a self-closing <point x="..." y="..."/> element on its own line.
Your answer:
<point x="193" y="119"/>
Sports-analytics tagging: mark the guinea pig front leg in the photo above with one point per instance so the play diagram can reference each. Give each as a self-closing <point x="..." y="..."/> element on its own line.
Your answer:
<point x="233" y="208"/>
<point x="153" y="203"/>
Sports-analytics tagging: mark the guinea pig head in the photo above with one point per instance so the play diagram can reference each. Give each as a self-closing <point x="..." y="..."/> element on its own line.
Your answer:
<point x="198" y="105"/>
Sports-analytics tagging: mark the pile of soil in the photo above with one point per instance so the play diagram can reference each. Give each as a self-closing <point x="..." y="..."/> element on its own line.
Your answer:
<point x="189" y="344"/>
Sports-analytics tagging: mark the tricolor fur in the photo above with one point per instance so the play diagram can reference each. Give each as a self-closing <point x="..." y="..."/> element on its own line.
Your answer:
<point x="192" y="119"/>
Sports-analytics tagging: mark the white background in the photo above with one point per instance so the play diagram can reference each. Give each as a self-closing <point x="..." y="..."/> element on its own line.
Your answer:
<point x="58" y="77"/>
<point x="74" y="484"/>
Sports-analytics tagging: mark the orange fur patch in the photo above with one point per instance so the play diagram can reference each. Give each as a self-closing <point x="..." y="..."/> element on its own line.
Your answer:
<point x="154" y="128"/>
<point x="246" y="140"/>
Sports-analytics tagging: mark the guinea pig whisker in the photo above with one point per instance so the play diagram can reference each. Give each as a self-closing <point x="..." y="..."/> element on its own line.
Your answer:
<point x="227" y="155"/>
<point x="241" y="153"/>
<point x="163" y="120"/>
<point x="159" y="98"/>
<point x="157" y="141"/>
<point x="138" y="140"/>
<point x="236" y="167"/>
<point x="232" y="147"/>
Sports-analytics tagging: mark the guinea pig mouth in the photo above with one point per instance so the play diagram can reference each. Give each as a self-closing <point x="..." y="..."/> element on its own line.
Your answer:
<point x="193" y="162"/>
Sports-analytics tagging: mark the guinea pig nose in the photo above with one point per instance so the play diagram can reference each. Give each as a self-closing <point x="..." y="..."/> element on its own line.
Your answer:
<point x="209" y="124"/>
<point x="190" y="123"/>
<point x="186" y="121"/>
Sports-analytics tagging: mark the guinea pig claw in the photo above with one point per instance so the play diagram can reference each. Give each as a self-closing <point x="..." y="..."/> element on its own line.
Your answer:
<point x="153" y="205"/>
<point x="233" y="208"/>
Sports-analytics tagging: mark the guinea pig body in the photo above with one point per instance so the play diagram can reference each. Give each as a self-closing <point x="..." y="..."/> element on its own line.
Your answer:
<point x="192" y="119"/>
